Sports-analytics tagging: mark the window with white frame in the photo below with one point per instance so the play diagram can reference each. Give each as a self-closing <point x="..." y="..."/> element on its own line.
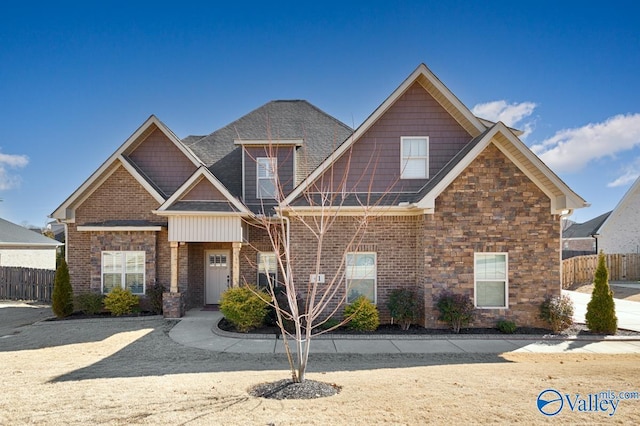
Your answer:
<point x="124" y="269"/>
<point x="361" y="276"/>
<point x="414" y="157"/>
<point x="266" y="177"/>
<point x="267" y="269"/>
<point x="491" y="280"/>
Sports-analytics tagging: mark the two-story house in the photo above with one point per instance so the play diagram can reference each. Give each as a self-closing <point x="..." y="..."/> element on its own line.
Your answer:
<point x="462" y="205"/>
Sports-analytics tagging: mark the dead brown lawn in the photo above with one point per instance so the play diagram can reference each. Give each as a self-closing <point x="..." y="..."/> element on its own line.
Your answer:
<point x="133" y="373"/>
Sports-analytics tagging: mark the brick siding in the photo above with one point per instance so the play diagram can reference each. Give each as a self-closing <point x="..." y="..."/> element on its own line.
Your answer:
<point x="491" y="207"/>
<point x="119" y="197"/>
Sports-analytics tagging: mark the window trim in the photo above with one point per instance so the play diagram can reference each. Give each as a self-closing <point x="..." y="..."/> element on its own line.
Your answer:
<point x="123" y="281"/>
<point x="476" y="280"/>
<point x="273" y="162"/>
<point x="404" y="159"/>
<point x="259" y="271"/>
<point x="375" y="277"/>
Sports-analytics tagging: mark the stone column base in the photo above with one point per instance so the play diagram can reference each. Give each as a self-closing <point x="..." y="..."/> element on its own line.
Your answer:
<point x="172" y="305"/>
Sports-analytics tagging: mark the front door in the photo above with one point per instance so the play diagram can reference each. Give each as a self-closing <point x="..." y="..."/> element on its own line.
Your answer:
<point x="216" y="276"/>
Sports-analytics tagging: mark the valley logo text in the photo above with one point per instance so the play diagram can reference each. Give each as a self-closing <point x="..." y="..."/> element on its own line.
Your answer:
<point x="551" y="402"/>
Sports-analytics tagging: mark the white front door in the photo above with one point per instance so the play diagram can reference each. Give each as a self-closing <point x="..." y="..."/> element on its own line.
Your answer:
<point x="216" y="276"/>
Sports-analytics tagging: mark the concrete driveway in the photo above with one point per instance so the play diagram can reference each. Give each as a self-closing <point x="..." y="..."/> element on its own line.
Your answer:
<point x="628" y="313"/>
<point x="15" y="315"/>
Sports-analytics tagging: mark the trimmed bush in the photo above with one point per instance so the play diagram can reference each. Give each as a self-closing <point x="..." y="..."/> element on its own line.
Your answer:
<point x="601" y="309"/>
<point x="89" y="303"/>
<point x="403" y="305"/>
<point x="362" y="315"/>
<point x="120" y="301"/>
<point x="154" y="294"/>
<point x="557" y="312"/>
<point x="506" y="326"/>
<point x="455" y="309"/>
<point x="245" y="307"/>
<point x="62" y="297"/>
<point x="330" y="323"/>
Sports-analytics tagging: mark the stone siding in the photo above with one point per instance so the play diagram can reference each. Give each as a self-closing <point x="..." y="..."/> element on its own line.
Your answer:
<point x="492" y="207"/>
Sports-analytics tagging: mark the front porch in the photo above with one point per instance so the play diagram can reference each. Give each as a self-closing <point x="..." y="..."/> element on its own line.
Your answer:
<point x="202" y="270"/>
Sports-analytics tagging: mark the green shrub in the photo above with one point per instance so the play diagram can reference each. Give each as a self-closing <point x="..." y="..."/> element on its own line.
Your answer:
<point x="329" y="324"/>
<point x="154" y="294"/>
<point x="245" y="307"/>
<point x="601" y="309"/>
<point x="362" y="315"/>
<point x="89" y="303"/>
<point x="455" y="309"/>
<point x="120" y="301"/>
<point x="557" y="312"/>
<point x="62" y="297"/>
<point x="506" y="326"/>
<point x="403" y="305"/>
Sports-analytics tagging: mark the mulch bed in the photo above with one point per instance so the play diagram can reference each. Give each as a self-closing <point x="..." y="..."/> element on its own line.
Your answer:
<point x="288" y="389"/>
<point x="394" y="329"/>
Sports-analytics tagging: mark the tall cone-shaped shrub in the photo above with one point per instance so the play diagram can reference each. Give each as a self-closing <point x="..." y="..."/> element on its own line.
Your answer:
<point x="601" y="310"/>
<point x="62" y="298"/>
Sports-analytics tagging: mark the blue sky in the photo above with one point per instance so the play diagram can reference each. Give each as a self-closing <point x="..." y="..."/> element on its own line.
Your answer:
<point x="77" y="78"/>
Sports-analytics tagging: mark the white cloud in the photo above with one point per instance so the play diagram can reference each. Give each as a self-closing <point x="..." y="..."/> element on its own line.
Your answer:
<point x="510" y="114"/>
<point x="9" y="161"/>
<point x="570" y="150"/>
<point x="631" y="173"/>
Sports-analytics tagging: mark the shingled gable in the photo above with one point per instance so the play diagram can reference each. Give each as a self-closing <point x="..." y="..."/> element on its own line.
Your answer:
<point x="66" y="211"/>
<point x="561" y="196"/>
<point x="433" y="86"/>
<point x="317" y="132"/>
<point x="216" y="200"/>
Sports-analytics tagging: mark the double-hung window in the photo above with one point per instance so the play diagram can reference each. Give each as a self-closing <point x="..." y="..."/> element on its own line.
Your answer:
<point x="123" y="269"/>
<point x="266" y="177"/>
<point x="361" y="276"/>
<point x="491" y="280"/>
<point x="414" y="157"/>
<point x="267" y="269"/>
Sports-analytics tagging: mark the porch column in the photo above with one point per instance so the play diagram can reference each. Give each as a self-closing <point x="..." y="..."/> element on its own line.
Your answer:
<point x="174" y="266"/>
<point x="235" y="266"/>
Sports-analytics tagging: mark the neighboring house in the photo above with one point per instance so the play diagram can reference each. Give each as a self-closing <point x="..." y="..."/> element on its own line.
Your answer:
<point x="57" y="229"/>
<point x="620" y="233"/>
<point x="463" y="205"/>
<point x="22" y="247"/>
<point x="580" y="238"/>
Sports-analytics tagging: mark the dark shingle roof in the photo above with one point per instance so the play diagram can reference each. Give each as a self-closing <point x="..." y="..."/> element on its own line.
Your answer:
<point x="288" y="119"/>
<point x="12" y="234"/>
<point x="202" y="206"/>
<point x="393" y="199"/>
<point x="586" y="229"/>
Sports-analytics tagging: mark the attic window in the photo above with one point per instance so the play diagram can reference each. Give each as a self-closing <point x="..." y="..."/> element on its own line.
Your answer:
<point x="266" y="174"/>
<point x="414" y="157"/>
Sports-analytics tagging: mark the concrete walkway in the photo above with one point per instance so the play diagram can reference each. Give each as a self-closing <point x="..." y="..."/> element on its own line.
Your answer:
<point x="628" y="313"/>
<point x="199" y="329"/>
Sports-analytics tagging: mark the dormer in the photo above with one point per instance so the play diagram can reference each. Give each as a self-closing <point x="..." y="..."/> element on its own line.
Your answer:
<point x="268" y="170"/>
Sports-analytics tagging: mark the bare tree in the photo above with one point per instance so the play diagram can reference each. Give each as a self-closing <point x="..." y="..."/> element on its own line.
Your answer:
<point x="303" y="304"/>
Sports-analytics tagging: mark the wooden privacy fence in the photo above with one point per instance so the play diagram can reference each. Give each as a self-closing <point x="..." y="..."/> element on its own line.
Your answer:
<point x="581" y="269"/>
<point x="26" y="284"/>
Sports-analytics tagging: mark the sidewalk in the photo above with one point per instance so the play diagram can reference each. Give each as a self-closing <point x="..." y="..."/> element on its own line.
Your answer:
<point x="199" y="329"/>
